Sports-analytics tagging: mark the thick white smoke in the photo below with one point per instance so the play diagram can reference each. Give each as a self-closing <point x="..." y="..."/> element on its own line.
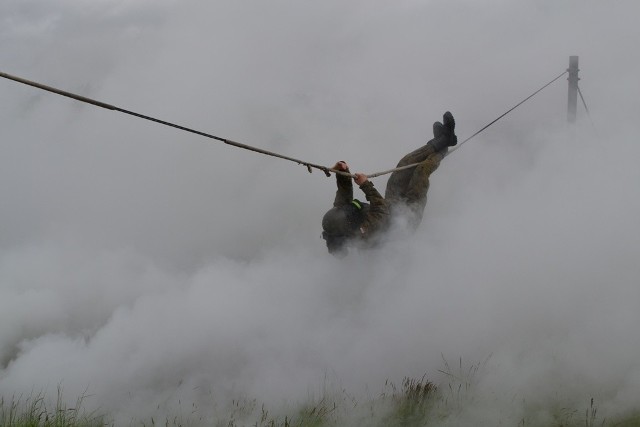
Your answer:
<point x="146" y="266"/>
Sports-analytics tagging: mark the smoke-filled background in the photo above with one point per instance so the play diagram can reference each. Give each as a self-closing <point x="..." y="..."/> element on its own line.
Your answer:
<point x="151" y="268"/>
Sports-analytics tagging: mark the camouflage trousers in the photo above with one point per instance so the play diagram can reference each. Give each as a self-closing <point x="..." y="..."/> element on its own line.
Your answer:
<point x="406" y="191"/>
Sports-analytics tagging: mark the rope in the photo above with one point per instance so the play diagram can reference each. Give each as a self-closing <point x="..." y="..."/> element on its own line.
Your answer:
<point x="309" y="165"/>
<point x="588" y="113"/>
<point x="373" y="175"/>
<point x="325" y="169"/>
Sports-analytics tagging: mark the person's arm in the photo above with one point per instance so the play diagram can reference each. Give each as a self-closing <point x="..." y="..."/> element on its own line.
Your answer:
<point x="378" y="216"/>
<point x="344" y="194"/>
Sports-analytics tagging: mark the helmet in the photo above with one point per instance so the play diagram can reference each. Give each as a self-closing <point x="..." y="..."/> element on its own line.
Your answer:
<point x="340" y="223"/>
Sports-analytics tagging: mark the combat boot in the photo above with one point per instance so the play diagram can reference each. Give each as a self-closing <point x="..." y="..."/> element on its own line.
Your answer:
<point x="444" y="133"/>
<point x="449" y="123"/>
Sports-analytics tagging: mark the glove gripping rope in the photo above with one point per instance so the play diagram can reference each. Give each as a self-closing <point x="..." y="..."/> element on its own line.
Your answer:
<point x="309" y="166"/>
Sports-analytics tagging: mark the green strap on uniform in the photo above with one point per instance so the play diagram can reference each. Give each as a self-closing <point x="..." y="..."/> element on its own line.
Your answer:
<point x="356" y="204"/>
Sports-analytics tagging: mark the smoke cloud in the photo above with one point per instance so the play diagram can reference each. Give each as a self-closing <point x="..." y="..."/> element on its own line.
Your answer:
<point x="151" y="268"/>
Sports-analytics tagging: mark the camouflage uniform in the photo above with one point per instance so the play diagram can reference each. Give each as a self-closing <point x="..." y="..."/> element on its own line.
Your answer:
<point x="406" y="193"/>
<point x="375" y="213"/>
<point x="405" y="196"/>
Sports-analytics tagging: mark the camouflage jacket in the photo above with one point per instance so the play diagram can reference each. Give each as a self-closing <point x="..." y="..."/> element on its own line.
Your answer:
<point x="376" y="212"/>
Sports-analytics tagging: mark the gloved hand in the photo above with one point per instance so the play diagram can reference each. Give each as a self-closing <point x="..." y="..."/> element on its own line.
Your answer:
<point x="341" y="166"/>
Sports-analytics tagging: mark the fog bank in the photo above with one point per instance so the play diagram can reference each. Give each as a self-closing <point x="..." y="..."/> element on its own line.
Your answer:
<point x="153" y="269"/>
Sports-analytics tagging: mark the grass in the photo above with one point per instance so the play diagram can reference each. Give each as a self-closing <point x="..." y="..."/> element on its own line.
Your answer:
<point x="414" y="403"/>
<point x="33" y="411"/>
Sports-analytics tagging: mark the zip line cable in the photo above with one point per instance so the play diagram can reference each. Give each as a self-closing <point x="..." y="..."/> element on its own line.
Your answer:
<point x="184" y="128"/>
<point x="309" y="166"/>
<point x="588" y="113"/>
<point x="485" y="127"/>
<point x="510" y="110"/>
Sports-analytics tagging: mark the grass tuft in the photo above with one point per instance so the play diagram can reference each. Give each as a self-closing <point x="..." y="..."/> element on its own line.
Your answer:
<point x="414" y="403"/>
<point x="32" y="411"/>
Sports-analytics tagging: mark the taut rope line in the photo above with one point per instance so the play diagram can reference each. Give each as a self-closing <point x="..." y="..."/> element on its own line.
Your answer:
<point x="309" y="166"/>
<point x="113" y="107"/>
<point x="373" y="175"/>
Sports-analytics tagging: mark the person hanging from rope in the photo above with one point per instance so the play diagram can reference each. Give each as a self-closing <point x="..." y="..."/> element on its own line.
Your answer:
<point x="352" y="222"/>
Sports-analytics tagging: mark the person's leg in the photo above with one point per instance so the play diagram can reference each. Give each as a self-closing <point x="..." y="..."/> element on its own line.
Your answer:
<point x="406" y="191"/>
<point x="415" y="196"/>
<point x="398" y="182"/>
<point x="408" y="188"/>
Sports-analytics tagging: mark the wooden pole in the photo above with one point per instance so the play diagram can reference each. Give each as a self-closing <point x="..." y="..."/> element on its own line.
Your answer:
<point x="573" y="89"/>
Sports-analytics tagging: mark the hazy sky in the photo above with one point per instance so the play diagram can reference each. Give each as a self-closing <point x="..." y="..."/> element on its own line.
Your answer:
<point x="148" y="265"/>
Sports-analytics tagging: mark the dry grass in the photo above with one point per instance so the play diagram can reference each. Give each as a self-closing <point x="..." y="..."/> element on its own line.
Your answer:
<point x="33" y="411"/>
<point x="414" y="403"/>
